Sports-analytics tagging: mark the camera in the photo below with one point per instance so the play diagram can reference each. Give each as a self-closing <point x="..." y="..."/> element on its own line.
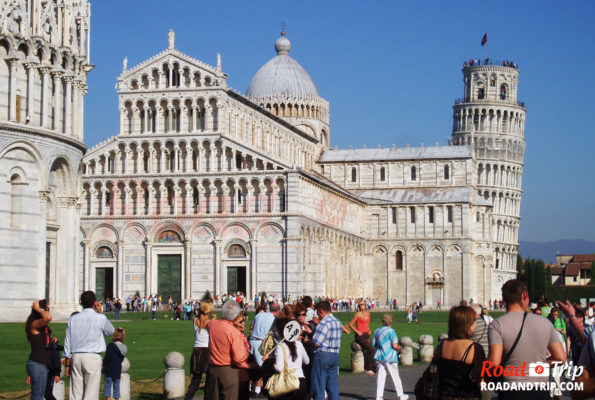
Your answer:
<point x="43" y="304"/>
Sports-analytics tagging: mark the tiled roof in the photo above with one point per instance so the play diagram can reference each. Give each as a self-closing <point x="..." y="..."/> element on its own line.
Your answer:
<point x="423" y="196"/>
<point x="402" y="153"/>
<point x="556" y="270"/>
<point x="584" y="257"/>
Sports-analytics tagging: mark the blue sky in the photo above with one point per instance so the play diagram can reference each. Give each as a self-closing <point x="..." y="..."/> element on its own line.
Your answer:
<point x="391" y="71"/>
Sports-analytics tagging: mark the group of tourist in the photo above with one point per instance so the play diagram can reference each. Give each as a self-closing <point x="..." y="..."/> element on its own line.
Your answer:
<point x="239" y="367"/>
<point x="83" y="346"/>
<point x="478" y="345"/>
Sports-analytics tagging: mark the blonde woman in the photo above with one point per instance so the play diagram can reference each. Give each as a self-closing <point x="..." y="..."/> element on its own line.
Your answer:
<point x="200" y="353"/>
<point x="360" y="324"/>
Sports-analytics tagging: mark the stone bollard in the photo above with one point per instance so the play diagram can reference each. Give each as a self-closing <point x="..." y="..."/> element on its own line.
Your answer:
<point x="59" y="391"/>
<point x="406" y="356"/>
<point x="357" y="358"/>
<point x="125" y="380"/>
<point x="174" y="379"/>
<point x="426" y="350"/>
<point x="443" y="336"/>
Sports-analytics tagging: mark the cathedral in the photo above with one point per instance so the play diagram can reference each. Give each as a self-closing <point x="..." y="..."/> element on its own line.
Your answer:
<point x="205" y="188"/>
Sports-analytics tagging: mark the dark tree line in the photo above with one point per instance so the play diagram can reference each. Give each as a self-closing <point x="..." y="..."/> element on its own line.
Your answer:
<point x="535" y="275"/>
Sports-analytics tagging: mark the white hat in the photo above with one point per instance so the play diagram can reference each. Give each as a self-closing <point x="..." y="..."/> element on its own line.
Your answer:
<point x="589" y="312"/>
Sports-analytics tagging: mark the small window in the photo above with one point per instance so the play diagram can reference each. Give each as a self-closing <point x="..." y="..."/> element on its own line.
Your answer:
<point x="477" y="217"/>
<point x="481" y="93"/>
<point x="446" y="172"/>
<point x="18" y="107"/>
<point x="108" y="198"/>
<point x="104" y="252"/>
<point x="394" y="209"/>
<point x="382" y="174"/>
<point x="399" y="260"/>
<point x="353" y="174"/>
<point x="412" y="214"/>
<point x="449" y="213"/>
<point x="503" y="92"/>
<point x="413" y="173"/>
<point x="431" y="214"/>
<point x="493" y="81"/>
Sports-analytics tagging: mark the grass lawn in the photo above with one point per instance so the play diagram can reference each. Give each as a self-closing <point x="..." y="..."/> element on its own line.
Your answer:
<point x="149" y="341"/>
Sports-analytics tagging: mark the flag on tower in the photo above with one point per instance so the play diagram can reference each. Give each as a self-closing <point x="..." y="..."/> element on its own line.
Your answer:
<point x="484" y="39"/>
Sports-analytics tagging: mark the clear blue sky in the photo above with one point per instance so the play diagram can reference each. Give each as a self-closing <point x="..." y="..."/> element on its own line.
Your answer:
<point x="391" y="71"/>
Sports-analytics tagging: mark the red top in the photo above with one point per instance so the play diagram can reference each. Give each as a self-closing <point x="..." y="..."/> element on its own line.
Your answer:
<point x="363" y="324"/>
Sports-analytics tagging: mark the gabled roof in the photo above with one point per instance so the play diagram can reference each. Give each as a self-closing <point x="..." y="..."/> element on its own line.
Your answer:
<point x="402" y="153"/>
<point x="164" y="55"/>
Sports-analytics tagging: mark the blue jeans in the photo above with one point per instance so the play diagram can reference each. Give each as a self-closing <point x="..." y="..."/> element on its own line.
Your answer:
<point x="107" y="391"/>
<point x="325" y="375"/>
<point x="117" y="314"/>
<point x="39" y="378"/>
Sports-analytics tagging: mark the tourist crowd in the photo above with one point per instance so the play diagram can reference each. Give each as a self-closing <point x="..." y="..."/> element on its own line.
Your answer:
<point x="278" y="360"/>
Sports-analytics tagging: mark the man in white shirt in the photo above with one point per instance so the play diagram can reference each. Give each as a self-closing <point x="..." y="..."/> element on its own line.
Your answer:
<point x="83" y="345"/>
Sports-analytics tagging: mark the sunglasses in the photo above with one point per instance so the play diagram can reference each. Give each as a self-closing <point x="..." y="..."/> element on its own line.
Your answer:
<point x="300" y="315"/>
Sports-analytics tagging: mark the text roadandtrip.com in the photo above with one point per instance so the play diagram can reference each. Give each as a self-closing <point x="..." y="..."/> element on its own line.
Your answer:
<point x="536" y="369"/>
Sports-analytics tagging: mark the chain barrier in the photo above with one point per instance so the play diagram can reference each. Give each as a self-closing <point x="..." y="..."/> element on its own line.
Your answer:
<point x="15" y="398"/>
<point x="151" y="381"/>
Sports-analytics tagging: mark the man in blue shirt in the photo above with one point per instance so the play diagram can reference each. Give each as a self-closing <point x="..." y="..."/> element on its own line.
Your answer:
<point x="325" y="368"/>
<point x="387" y="357"/>
<point x="83" y="345"/>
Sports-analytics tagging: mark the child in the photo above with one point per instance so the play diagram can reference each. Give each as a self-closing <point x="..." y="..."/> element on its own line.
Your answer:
<point x="112" y="363"/>
<point x="387" y="357"/>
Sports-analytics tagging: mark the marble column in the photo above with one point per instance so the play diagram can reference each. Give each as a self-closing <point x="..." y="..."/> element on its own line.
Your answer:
<point x="148" y="266"/>
<point x="86" y="267"/>
<point x="188" y="268"/>
<point x="253" y="267"/>
<point x="45" y="72"/>
<point x="68" y="107"/>
<point x="57" y="99"/>
<point x="218" y="289"/>
<point x="120" y="270"/>
<point x="12" y="88"/>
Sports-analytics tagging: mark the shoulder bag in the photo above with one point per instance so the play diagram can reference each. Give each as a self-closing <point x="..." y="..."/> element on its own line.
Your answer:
<point x="283" y="382"/>
<point x="428" y="386"/>
<point x="507" y="355"/>
<point x="268" y="343"/>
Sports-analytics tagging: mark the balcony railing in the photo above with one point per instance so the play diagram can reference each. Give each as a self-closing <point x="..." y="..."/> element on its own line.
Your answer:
<point x="434" y="280"/>
<point x="469" y="100"/>
<point x="478" y="62"/>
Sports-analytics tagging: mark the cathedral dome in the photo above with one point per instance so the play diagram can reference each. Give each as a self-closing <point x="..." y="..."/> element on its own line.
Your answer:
<point x="282" y="76"/>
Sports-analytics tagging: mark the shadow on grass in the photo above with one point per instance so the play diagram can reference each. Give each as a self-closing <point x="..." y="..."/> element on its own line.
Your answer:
<point x="149" y="396"/>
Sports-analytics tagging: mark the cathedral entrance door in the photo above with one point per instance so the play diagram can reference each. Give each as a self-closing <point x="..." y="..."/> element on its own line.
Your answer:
<point x="104" y="283"/>
<point x="236" y="279"/>
<point x="169" y="276"/>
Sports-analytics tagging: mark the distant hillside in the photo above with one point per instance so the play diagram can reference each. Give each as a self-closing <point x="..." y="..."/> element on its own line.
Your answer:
<point x="547" y="251"/>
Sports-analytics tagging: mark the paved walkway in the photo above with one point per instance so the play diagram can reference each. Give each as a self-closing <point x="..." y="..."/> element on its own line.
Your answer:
<point x="363" y="387"/>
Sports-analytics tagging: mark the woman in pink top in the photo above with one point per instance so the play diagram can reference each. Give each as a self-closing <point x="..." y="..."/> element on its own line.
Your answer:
<point x="361" y="326"/>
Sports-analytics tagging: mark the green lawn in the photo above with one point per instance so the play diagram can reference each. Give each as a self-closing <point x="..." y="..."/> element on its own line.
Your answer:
<point x="149" y="341"/>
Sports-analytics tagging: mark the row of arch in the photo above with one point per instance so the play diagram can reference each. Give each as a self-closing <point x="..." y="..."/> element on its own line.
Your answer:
<point x="173" y="75"/>
<point x="211" y="232"/>
<point x="167" y="115"/>
<point x="46" y="87"/>
<point x="505" y="231"/>
<point x="504" y="203"/>
<point x="499" y="175"/>
<point x="172" y="156"/>
<point x="185" y="197"/>
<point x="295" y="109"/>
<point x="489" y="120"/>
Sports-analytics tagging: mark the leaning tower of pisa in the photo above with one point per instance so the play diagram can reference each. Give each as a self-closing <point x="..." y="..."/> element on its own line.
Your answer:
<point x="491" y="119"/>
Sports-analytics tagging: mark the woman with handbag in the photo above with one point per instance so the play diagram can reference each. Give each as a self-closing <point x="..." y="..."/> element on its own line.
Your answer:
<point x="459" y="358"/>
<point x="289" y="359"/>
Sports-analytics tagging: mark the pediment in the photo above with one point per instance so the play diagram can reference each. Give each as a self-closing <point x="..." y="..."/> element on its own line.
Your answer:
<point x="170" y="56"/>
